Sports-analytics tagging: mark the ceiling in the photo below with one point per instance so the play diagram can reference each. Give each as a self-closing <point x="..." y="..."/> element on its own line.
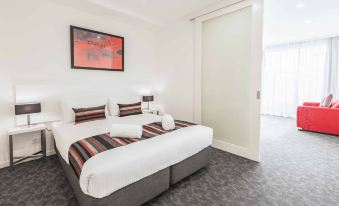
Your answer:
<point x="157" y="12"/>
<point x="297" y="20"/>
<point x="284" y="20"/>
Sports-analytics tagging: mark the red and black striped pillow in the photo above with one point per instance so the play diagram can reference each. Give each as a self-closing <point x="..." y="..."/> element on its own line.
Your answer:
<point x="129" y="109"/>
<point x="89" y="114"/>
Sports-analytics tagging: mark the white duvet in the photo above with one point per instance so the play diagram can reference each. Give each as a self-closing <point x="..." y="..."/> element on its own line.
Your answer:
<point x="114" y="169"/>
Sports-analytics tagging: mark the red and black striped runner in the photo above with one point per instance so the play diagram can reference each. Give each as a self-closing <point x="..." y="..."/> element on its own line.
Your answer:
<point x="84" y="149"/>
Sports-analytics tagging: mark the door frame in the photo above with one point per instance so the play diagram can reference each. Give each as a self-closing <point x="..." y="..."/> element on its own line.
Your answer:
<point x="253" y="150"/>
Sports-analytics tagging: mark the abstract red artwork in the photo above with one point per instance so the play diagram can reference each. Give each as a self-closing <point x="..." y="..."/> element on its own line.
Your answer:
<point x="96" y="50"/>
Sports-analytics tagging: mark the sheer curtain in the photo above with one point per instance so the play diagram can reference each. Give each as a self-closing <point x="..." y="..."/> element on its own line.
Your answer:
<point x="298" y="72"/>
<point x="333" y="74"/>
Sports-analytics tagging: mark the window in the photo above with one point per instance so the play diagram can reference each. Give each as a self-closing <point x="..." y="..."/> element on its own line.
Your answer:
<point x="294" y="73"/>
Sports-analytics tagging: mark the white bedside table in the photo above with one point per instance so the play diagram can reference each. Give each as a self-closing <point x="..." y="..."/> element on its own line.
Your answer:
<point x="150" y="111"/>
<point x="23" y="130"/>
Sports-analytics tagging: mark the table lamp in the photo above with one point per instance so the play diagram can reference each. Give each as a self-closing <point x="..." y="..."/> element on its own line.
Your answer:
<point x="27" y="108"/>
<point x="148" y="99"/>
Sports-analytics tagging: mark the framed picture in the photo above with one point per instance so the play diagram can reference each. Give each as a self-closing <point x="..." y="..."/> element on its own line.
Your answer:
<point x="96" y="50"/>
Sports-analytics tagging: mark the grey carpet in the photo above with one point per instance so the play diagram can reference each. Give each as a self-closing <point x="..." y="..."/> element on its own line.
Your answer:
<point x="297" y="168"/>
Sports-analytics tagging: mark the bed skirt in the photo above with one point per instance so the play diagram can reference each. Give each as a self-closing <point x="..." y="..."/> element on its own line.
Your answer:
<point x="190" y="165"/>
<point x="143" y="190"/>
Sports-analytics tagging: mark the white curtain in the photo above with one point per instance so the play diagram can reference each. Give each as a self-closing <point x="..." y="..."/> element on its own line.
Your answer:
<point x="333" y="74"/>
<point x="298" y="72"/>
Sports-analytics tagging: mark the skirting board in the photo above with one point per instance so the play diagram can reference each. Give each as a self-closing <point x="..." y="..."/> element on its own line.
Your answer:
<point x="234" y="149"/>
<point x="6" y="164"/>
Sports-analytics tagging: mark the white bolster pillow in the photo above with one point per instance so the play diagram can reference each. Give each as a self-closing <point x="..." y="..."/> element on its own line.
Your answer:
<point x="168" y="122"/>
<point x="126" y="131"/>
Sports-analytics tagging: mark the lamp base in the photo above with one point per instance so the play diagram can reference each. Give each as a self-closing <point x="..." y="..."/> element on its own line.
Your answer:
<point x="28" y="120"/>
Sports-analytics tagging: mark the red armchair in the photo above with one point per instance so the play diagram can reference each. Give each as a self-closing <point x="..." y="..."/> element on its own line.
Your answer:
<point x="311" y="117"/>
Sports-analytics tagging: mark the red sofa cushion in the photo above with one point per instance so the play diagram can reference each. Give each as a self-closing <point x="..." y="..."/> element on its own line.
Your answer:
<point x="318" y="119"/>
<point x="311" y="104"/>
<point x="335" y="105"/>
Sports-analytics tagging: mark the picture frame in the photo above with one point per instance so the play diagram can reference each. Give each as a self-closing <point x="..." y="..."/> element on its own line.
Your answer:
<point x="96" y="50"/>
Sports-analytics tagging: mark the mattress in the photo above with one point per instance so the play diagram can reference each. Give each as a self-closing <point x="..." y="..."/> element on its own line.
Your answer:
<point x="114" y="169"/>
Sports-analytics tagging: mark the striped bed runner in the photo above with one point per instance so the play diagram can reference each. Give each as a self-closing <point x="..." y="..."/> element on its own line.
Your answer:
<point x="82" y="150"/>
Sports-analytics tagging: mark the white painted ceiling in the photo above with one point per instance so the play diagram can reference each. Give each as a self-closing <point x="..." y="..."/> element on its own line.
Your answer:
<point x="284" y="20"/>
<point x="155" y="11"/>
<point x="297" y="20"/>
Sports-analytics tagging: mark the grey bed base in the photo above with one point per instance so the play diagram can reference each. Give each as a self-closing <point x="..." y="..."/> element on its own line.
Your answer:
<point x="143" y="190"/>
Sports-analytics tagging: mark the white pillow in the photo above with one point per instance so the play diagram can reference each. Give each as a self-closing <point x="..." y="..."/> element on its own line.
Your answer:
<point x="69" y="104"/>
<point x="114" y="107"/>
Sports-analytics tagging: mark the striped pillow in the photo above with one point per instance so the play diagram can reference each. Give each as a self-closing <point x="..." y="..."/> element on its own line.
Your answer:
<point x="129" y="109"/>
<point x="327" y="101"/>
<point x="89" y="114"/>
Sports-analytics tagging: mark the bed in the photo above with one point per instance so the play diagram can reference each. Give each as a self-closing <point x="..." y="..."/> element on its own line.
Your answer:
<point x="135" y="173"/>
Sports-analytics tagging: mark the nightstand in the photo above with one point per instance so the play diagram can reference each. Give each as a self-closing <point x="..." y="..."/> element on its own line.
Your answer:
<point x="22" y="130"/>
<point x="150" y="111"/>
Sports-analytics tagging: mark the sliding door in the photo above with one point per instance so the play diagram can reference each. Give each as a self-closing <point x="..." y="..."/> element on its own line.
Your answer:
<point x="229" y="83"/>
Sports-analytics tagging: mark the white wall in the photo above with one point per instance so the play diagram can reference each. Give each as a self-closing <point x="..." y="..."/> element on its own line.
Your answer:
<point x="175" y="60"/>
<point x="35" y="48"/>
<point x="35" y="51"/>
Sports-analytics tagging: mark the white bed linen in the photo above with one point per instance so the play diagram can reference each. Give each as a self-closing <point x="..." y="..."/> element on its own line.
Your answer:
<point x="114" y="169"/>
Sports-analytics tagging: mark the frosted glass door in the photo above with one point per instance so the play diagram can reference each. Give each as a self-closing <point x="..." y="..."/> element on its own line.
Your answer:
<point x="225" y="76"/>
